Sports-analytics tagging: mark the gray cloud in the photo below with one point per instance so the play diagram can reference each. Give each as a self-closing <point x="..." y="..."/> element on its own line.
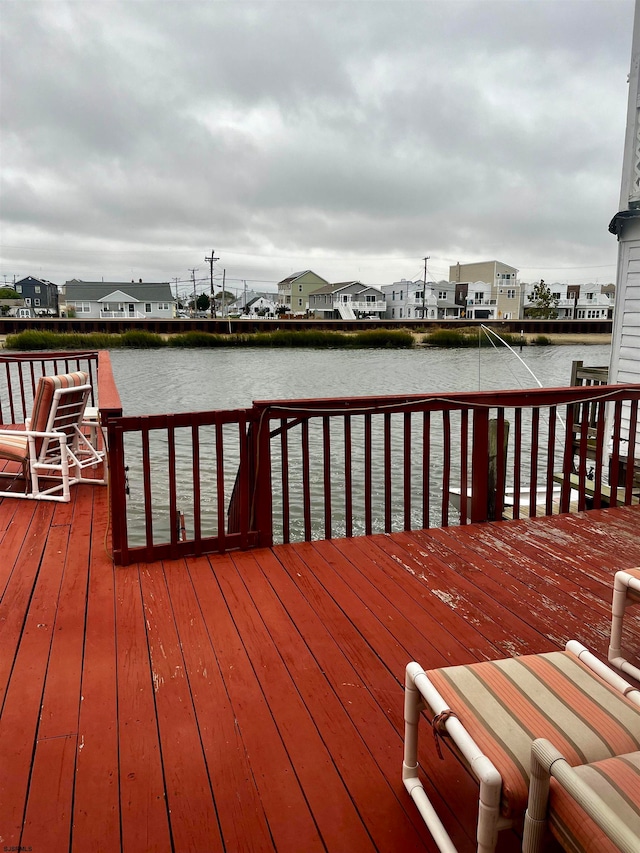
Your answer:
<point x="332" y="135"/>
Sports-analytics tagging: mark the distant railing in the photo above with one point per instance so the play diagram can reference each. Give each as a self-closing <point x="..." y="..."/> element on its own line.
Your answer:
<point x="298" y="470"/>
<point x="20" y="372"/>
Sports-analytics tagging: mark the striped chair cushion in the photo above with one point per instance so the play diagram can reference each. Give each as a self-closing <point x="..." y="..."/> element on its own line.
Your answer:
<point x="47" y="386"/>
<point x="506" y="704"/>
<point x="617" y="782"/>
<point x="14" y="446"/>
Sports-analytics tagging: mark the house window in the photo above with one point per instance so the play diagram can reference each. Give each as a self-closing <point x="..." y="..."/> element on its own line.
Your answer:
<point x="80" y="307"/>
<point x="511" y="294"/>
<point x="299" y="303"/>
<point x="589" y="295"/>
<point x="163" y="306"/>
<point x="442" y="294"/>
<point x="409" y="313"/>
<point x="393" y="312"/>
<point x="400" y="315"/>
<point x="27" y="300"/>
<point x="36" y="303"/>
<point x="478" y="297"/>
<point x="18" y="288"/>
<point x="393" y="296"/>
<point x="37" y="288"/>
<point x="299" y="288"/>
<point x="147" y="308"/>
<point x="400" y="298"/>
<point x="556" y="295"/>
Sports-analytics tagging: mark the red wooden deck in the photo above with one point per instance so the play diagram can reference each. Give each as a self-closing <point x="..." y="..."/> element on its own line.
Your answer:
<point x="253" y="701"/>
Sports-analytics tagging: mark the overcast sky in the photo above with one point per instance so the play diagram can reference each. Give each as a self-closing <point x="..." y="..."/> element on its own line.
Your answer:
<point x="351" y="138"/>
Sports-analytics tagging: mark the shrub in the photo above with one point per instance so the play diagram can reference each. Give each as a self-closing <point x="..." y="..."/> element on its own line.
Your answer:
<point x="542" y="341"/>
<point x="382" y="339"/>
<point x="140" y="339"/>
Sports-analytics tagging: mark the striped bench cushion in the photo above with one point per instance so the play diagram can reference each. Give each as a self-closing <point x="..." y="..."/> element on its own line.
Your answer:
<point x="617" y="782"/>
<point x="506" y="704"/>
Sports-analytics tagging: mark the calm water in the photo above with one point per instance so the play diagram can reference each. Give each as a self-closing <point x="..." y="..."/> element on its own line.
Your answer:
<point x="152" y="382"/>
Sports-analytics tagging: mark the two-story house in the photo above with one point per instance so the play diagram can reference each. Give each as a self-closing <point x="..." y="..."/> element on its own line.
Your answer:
<point x="504" y="299"/>
<point x="294" y="291"/>
<point x="38" y="295"/>
<point x="117" y="300"/>
<point x="409" y="300"/>
<point x="347" y="300"/>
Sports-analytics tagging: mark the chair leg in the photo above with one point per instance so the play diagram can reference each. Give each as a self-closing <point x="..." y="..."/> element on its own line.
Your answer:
<point x="618" y="608"/>
<point x="535" y="818"/>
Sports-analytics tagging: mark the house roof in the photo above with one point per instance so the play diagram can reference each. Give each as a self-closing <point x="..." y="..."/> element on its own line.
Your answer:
<point x="296" y="275"/>
<point x="96" y="291"/>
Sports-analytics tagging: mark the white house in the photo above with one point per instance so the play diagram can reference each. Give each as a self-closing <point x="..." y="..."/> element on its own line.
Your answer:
<point x="409" y="300"/>
<point x="347" y="300"/>
<point x="110" y="300"/>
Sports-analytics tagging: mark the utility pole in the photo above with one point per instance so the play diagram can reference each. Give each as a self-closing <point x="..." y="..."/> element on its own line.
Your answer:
<point x="224" y="275"/>
<point x="193" y="278"/>
<point x="212" y="306"/>
<point x="176" y="280"/>
<point x="424" y="286"/>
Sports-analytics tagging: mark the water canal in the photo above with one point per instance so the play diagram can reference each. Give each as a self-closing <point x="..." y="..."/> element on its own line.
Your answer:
<point x="165" y="381"/>
<point x="157" y="381"/>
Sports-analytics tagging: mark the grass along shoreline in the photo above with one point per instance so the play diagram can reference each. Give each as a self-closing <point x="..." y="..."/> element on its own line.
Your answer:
<point x="34" y="340"/>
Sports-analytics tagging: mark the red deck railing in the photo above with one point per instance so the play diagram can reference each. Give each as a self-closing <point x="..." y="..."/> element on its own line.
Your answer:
<point x="306" y="469"/>
<point x="297" y="470"/>
<point x="19" y="374"/>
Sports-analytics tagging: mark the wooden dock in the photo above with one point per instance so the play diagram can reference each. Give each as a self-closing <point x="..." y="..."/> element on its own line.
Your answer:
<point x="253" y="701"/>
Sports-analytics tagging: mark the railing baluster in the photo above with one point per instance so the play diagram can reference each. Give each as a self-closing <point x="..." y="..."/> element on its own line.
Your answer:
<point x="173" y="497"/>
<point x="326" y="449"/>
<point x="501" y="462"/>
<point x="533" y="463"/>
<point x="407" y="450"/>
<point x="631" y="444"/>
<point x="614" y="468"/>
<point x="387" y="472"/>
<point x="221" y="502"/>
<point x="284" y="455"/>
<point x="196" y="485"/>
<point x="446" y="466"/>
<point x="517" y="459"/>
<point x="348" y="478"/>
<point x="306" y="485"/>
<point x="464" y="467"/>
<point x="426" y="468"/>
<point x="368" y="510"/>
<point x="551" y="460"/>
<point x="148" y="497"/>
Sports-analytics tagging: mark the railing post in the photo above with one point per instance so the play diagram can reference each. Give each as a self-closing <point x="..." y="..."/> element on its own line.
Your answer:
<point x="117" y="492"/>
<point x="262" y="498"/>
<point x="480" y="466"/>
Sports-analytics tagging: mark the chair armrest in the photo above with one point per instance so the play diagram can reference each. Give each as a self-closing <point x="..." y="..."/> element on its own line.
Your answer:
<point x="547" y="761"/>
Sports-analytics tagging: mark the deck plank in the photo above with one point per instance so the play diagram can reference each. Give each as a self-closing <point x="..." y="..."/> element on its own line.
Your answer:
<point x="294" y="630"/>
<point x="20" y="711"/>
<point x="325" y="790"/>
<point x="285" y="806"/>
<point x="144" y="817"/>
<point x="237" y="800"/>
<point x="254" y="700"/>
<point x="96" y="809"/>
